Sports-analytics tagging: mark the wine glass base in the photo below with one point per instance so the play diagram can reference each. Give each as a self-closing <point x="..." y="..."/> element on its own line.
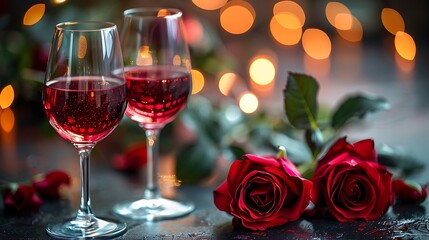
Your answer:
<point x="153" y="209"/>
<point x="98" y="228"/>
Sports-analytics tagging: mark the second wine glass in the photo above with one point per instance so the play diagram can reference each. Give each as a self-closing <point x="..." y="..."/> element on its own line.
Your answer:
<point x="158" y="75"/>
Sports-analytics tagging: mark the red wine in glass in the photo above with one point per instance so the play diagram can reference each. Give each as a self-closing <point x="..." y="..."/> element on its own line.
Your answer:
<point x="84" y="100"/>
<point x="84" y="109"/>
<point x="157" y="70"/>
<point x="156" y="94"/>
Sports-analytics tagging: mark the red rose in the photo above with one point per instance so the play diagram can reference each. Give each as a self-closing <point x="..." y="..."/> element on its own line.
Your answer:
<point x="49" y="185"/>
<point x="351" y="183"/>
<point x="409" y="192"/>
<point x="132" y="160"/>
<point x="21" y="200"/>
<point x="263" y="192"/>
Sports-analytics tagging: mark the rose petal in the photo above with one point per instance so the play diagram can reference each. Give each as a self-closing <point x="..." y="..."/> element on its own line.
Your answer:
<point x="365" y="150"/>
<point x="222" y="198"/>
<point x="409" y="192"/>
<point x="23" y="200"/>
<point x="48" y="185"/>
<point x="350" y="183"/>
<point x="263" y="192"/>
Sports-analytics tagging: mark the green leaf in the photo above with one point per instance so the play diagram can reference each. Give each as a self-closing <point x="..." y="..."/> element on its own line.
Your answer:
<point x="300" y="101"/>
<point x="314" y="140"/>
<point x="357" y="107"/>
<point x="196" y="162"/>
<point x="199" y="117"/>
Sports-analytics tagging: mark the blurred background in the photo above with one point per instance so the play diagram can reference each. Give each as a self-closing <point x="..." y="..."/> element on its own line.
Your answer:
<point x="242" y="51"/>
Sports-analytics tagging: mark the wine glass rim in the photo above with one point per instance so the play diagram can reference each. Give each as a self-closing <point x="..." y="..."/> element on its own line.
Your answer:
<point x="143" y="12"/>
<point x="85" y="26"/>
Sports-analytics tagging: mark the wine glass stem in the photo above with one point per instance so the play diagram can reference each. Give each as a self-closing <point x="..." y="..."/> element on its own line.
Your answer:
<point x="84" y="214"/>
<point x="152" y="191"/>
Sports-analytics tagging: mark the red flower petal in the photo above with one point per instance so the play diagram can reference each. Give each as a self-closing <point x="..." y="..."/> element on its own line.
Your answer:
<point x="222" y="198"/>
<point x="49" y="185"/>
<point x="132" y="160"/>
<point x="23" y="200"/>
<point x="365" y="150"/>
<point x="350" y="183"/>
<point x="263" y="192"/>
<point x="409" y="192"/>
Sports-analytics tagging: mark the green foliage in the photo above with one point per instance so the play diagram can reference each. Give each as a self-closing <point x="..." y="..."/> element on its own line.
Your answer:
<point x="356" y="107"/>
<point x="224" y="132"/>
<point x="212" y="128"/>
<point x="300" y="98"/>
<point x="300" y="101"/>
<point x="196" y="161"/>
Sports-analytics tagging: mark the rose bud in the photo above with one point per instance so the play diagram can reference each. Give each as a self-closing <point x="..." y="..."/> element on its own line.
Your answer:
<point x="409" y="191"/>
<point x="49" y="184"/>
<point x="349" y="181"/>
<point x="132" y="160"/>
<point x="21" y="199"/>
<point x="263" y="192"/>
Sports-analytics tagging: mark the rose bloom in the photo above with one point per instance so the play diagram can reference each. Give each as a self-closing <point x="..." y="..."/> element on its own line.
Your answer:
<point x="49" y="184"/>
<point x="22" y="200"/>
<point x="409" y="192"/>
<point x="351" y="183"/>
<point x="263" y="192"/>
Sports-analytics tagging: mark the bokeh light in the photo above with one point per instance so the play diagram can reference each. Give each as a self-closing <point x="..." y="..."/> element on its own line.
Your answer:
<point x="343" y="21"/>
<point x="237" y="17"/>
<point x="405" y="45"/>
<point x="209" y="4"/>
<point x="82" y="47"/>
<point x="194" y="31"/>
<point x="262" y="71"/>
<point x="34" y="14"/>
<point x="392" y="20"/>
<point x="248" y="102"/>
<point x="177" y="60"/>
<point x="7" y="120"/>
<point x="354" y="34"/>
<point x="144" y="57"/>
<point x="289" y="14"/>
<point x="58" y="1"/>
<point x="163" y="12"/>
<point x="288" y="20"/>
<point x="335" y="12"/>
<point x="7" y="96"/>
<point x="284" y="35"/>
<point x="226" y="81"/>
<point x="316" y="43"/>
<point x="197" y="81"/>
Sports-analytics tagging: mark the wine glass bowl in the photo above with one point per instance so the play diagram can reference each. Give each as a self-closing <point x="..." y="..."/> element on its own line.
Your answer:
<point x="157" y="70"/>
<point x="84" y="99"/>
<point x="84" y="115"/>
<point x="156" y="94"/>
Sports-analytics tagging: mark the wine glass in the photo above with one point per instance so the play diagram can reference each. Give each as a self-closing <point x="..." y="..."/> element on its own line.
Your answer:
<point x="84" y="99"/>
<point x="158" y="74"/>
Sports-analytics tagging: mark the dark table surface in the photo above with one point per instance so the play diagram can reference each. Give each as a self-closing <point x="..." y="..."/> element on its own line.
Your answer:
<point x="26" y="151"/>
<point x="206" y="222"/>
